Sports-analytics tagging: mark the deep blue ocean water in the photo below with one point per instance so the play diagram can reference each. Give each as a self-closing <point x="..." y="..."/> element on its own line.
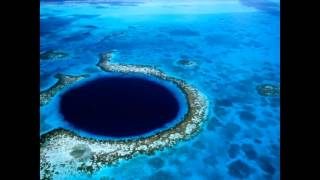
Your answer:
<point x="125" y="110"/>
<point x="236" y="47"/>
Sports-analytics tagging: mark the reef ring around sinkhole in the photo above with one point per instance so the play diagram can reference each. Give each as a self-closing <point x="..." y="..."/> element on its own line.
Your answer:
<point x="122" y="106"/>
<point x="57" y="146"/>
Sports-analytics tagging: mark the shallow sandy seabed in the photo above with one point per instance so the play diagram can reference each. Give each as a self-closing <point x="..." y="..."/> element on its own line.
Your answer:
<point x="57" y="146"/>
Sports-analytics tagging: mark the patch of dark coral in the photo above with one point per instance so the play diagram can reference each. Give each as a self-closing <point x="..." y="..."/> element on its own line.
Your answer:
<point x="257" y="141"/>
<point x="156" y="162"/>
<point x="162" y="175"/>
<point x="224" y="102"/>
<point x="265" y="164"/>
<point x="239" y="99"/>
<point x="239" y="169"/>
<point x="249" y="151"/>
<point x="81" y="152"/>
<point x="52" y="54"/>
<point x="187" y="63"/>
<point x="248" y="108"/>
<point x="268" y="90"/>
<point x="213" y="124"/>
<point x="91" y="27"/>
<point x="210" y="160"/>
<point x="77" y="36"/>
<point x="199" y="145"/>
<point x="184" y="62"/>
<point x="230" y="130"/>
<point x="112" y="36"/>
<point x="233" y="150"/>
<point x="275" y="150"/>
<point x="220" y="111"/>
<point x="247" y="116"/>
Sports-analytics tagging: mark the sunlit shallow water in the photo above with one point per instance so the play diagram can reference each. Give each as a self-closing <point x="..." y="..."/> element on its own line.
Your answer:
<point x="234" y="47"/>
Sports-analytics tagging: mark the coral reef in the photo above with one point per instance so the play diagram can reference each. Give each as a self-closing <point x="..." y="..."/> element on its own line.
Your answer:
<point x="187" y="63"/>
<point x="224" y="102"/>
<point x="210" y="160"/>
<point x="268" y="90"/>
<point x="239" y="169"/>
<point x="247" y="116"/>
<point x="249" y="151"/>
<point x="156" y="162"/>
<point x="63" y="81"/>
<point x="51" y="54"/>
<point x="234" y="150"/>
<point x="58" y="146"/>
<point x="230" y="130"/>
<point x="162" y="175"/>
<point x="265" y="164"/>
<point x="81" y="152"/>
<point x="213" y="124"/>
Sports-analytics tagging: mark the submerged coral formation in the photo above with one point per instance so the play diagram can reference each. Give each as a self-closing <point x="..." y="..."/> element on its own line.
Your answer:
<point x="239" y="169"/>
<point x="63" y="81"/>
<point x="268" y="90"/>
<point x="187" y="63"/>
<point x="51" y="54"/>
<point x="81" y="152"/>
<point x="61" y="149"/>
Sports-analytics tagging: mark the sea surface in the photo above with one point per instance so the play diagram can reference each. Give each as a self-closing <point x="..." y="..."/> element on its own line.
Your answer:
<point x="235" y="46"/>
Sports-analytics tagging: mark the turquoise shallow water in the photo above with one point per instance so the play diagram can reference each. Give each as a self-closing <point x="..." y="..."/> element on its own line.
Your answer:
<point x="235" y="45"/>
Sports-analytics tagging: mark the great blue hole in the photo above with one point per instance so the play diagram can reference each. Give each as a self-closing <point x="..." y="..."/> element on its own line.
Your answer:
<point x="119" y="106"/>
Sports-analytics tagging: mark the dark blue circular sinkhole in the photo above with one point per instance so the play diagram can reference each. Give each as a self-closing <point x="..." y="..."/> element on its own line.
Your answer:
<point x="119" y="106"/>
